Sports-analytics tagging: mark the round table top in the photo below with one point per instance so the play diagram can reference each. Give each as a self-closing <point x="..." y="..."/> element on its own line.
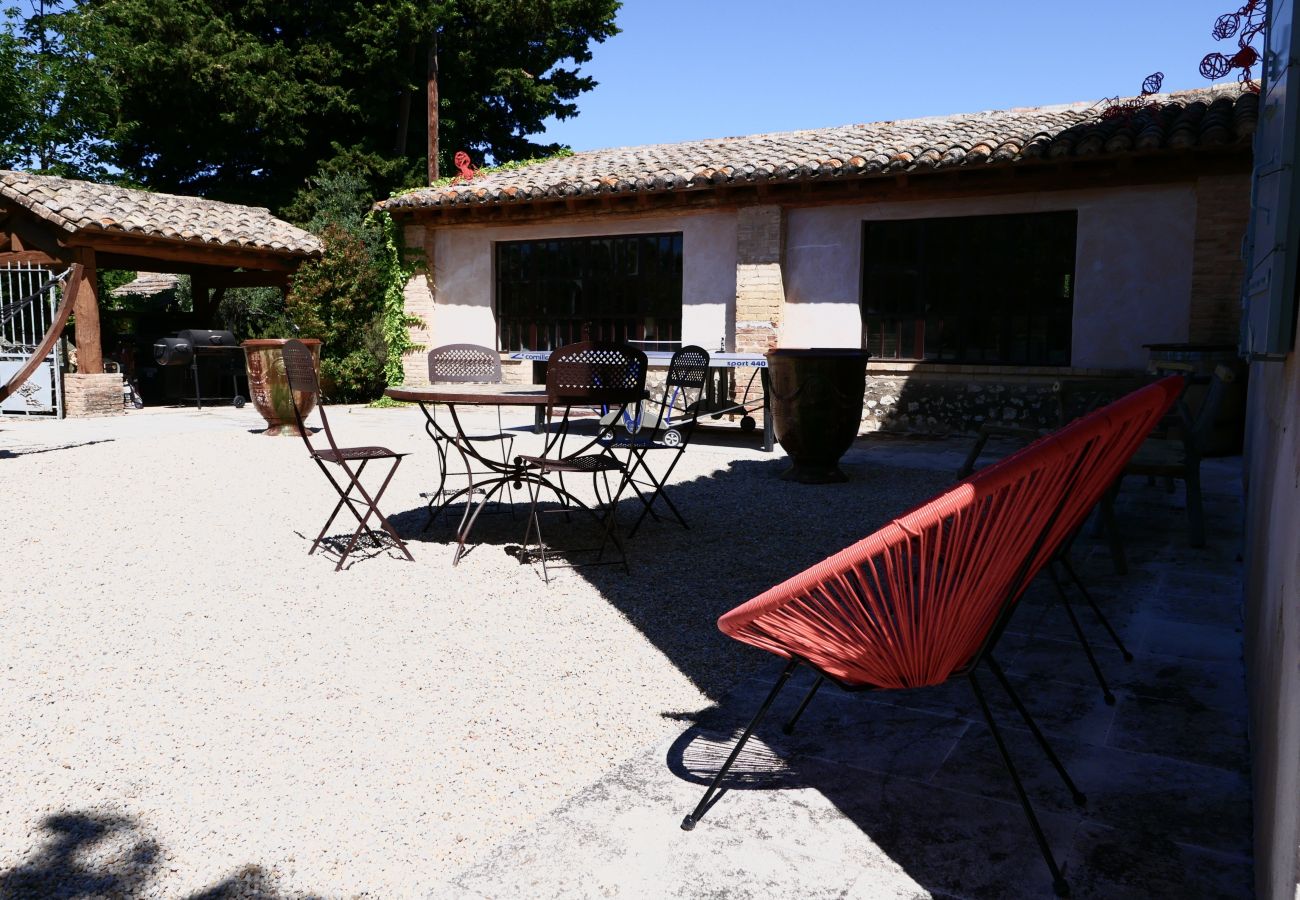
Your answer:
<point x="481" y="394"/>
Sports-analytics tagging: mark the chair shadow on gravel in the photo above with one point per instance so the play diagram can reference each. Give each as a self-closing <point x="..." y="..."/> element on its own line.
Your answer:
<point x="97" y="855"/>
<point x="748" y="531"/>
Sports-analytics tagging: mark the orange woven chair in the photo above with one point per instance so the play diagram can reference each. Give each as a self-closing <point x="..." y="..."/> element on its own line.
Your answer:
<point x="926" y="598"/>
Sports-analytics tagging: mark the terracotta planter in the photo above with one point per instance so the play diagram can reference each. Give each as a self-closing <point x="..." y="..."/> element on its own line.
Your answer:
<point x="816" y="397"/>
<point x="270" y="388"/>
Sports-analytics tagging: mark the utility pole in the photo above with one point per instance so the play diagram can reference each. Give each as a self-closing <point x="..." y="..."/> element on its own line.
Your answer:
<point x="433" y="108"/>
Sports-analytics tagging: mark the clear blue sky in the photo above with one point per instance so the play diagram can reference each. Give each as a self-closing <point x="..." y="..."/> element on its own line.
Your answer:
<point x="687" y="70"/>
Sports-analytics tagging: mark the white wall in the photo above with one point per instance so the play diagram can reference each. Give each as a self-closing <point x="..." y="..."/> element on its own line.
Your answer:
<point x="464" y="285"/>
<point x="1133" y="266"/>
<point x="1273" y="621"/>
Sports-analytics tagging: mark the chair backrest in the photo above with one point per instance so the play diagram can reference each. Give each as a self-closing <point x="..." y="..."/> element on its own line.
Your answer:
<point x="595" y="373"/>
<point x="922" y="598"/>
<point x="464" y="364"/>
<point x="688" y="375"/>
<point x="300" y="372"/>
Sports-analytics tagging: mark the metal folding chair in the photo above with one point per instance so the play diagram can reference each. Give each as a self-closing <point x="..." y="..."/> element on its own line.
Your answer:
<point x="462" y="364"/>
<point x="300" y="370"/>
<point x="589" y="374"/>
<point x="664" y="429"/>
<point x="926" y="598"/>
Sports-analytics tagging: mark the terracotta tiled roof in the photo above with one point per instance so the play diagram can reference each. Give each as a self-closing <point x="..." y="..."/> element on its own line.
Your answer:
<point x="1209" y="117"/>
<point x="82" y="206"/>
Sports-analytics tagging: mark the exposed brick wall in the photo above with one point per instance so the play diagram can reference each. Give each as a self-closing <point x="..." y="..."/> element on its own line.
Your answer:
<point x="1222" y="208"/>
<point x="760" y="287"/>
<point x="419" y="303"/>
<point x="92" y="395"/>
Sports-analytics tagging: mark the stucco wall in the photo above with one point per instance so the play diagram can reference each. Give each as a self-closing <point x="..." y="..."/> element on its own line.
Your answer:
<point x="464" y="287"/>
<point x="1133" y="266"/>
<point x="1273" y="621"/>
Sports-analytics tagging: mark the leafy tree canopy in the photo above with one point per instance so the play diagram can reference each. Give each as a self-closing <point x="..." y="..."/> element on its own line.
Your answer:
<point x="244" y="101"/>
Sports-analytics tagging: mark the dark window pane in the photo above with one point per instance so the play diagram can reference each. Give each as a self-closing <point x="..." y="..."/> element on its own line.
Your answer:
<point x="620" y="287"/>
<point x="970" y="289"/>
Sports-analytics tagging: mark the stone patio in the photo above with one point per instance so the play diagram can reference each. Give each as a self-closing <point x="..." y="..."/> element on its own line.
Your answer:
<point x="904" y="795"/>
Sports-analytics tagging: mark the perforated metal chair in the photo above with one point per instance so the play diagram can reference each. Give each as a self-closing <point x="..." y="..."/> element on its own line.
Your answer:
<point x="300" y="370"/>
<point x="926" y="598"/>
<point x="663" y="429"/>
<point x="462" y="364"/>
<point x="586" y="375"/>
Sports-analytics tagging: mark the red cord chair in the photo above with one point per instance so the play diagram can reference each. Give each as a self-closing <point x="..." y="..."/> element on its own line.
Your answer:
<point x="925" y="599"/>
<point x="300" y="371"/>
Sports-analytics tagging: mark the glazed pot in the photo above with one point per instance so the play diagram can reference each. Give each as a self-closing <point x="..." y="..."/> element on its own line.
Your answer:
<point x="816" y="399"/>
<point x="270" y="388"/>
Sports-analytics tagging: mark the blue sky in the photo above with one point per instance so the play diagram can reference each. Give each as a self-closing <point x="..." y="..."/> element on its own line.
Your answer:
<point x="688" y="70"/>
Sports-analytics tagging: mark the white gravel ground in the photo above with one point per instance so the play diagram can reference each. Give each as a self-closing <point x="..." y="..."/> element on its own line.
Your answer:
<point x="191" y="706"/>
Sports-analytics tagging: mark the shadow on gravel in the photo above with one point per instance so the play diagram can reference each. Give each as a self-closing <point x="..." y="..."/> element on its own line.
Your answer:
<point x="748" y="531"/>
<point x="97" y="855"/>
<point x="10" y="454"/>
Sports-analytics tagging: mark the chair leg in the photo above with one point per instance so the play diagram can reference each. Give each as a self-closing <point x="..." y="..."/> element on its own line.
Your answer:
<point x="1195" y="510"/>
<point x="1096" y="610"/>
<point x="1077" y="795"/>
<point x="1078" y="631"/>
<point x="788" y="727"/>
<point x="714" y="792"/>
<point x="372" y="508"/>
<point x="1059" y="884"/>
<point x="1106" y="520"/>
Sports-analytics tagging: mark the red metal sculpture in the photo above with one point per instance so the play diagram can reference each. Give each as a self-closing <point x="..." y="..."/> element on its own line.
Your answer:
<point x="465" y="170"/>
<point x="1115" y="108"/>
<point x="1246" y="24"/>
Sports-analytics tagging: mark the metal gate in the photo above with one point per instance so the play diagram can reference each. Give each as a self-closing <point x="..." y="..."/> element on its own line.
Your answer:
<point x="20" y="337"/>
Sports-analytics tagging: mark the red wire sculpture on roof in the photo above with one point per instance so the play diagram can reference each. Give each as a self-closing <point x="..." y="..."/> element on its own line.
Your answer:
<point x="1115" y="108"/>
<point x="465" y="171"/>
<point x="1246" y="24"/>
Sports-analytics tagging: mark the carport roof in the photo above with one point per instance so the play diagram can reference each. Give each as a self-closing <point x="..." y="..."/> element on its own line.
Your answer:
<point x="85" y="209"/>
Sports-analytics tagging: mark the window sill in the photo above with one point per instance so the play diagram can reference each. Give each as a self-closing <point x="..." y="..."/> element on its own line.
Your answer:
<point x="922" y="367"/>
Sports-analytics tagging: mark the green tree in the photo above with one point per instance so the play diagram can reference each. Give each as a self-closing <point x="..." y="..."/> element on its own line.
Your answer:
<point x="245" y="101"/>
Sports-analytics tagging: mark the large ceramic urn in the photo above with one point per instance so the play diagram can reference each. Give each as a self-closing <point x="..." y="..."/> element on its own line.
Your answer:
<point x="816" y="401"/>
<point x="269" y="386"/>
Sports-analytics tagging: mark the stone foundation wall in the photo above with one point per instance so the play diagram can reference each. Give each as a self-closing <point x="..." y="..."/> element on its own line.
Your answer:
<point x="92" y="395"/>
<point x="948" y="402"/>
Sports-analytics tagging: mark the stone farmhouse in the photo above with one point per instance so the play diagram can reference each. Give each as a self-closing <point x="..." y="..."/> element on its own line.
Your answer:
<point x="979" y="258"/>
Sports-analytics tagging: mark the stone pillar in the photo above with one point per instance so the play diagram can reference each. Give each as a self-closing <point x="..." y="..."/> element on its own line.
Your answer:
<point x="92" y="395"/>
<point x="1222" y="209"/>
<point x="760" y="287"/>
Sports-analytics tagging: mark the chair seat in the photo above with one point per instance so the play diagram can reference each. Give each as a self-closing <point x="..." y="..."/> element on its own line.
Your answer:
<point x="350" y="453"/>
<point x="590" y="463"/>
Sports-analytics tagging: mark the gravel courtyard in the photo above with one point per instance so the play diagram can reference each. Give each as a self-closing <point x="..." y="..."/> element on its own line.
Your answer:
<point x="191" y="706"/>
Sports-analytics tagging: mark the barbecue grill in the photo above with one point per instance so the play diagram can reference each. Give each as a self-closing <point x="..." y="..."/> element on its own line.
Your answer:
<point x="221" y="350"/>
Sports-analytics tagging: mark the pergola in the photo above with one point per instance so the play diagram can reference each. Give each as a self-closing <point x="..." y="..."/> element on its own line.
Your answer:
<point x="52" y="221"/>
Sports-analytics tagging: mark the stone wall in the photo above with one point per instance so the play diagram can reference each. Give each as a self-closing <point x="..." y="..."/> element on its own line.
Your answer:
<point x="92" y="395"/>
<point x="946" y="400"/>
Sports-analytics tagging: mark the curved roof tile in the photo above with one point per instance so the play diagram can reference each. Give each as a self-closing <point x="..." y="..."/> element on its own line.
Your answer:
<point x="1207" y="117"/>
<point x="80" y="206"/>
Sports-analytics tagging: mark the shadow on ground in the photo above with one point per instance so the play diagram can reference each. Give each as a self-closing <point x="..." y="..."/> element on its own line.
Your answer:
<point x="98" y="855"/>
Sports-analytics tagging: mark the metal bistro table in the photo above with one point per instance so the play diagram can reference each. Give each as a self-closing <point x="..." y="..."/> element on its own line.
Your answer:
<point x="453" y="395"/>
<point x="756" y="363"/>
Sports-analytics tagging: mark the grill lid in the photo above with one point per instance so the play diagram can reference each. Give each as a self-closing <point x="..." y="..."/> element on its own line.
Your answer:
<point x="203" y="337"/>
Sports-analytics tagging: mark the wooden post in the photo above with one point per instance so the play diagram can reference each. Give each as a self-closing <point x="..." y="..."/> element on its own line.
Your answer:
<point x="85" y="306"/>
<point x="201" y="293"/>
<point x="433" y="108"/>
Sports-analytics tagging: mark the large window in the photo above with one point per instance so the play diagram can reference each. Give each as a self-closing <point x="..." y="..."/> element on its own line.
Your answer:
<point x="621" y="288"/>
<point x="975" y="289"/>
